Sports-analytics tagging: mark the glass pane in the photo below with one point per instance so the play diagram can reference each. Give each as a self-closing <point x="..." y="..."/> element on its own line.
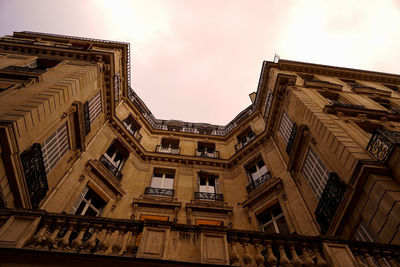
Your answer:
<point x="80" y="208"/>
<point x="157" y="174"/>
<point x="260" y="164"/>
<point x="263" y="170"/>
<point x="97" y="202"/>
<point x="90" y="212"/>
<point x="168" y="183"/>
<point x="269" y="228"/>
<point x="110" y="151"/>
<point x="283" y="228"/>
<point x="264" y="217"/>
<point x="211" y="181"/>
<point x="211" y="189"/>
<point x="203" y="181"/>
<point x="203" y="188"/>
<point x="156" y="182"/>
<point x="170" y="176"/>
<point x="277" y="211"/>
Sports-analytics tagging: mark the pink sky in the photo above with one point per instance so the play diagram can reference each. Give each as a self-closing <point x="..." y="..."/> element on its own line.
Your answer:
<point x="198" y="60"/>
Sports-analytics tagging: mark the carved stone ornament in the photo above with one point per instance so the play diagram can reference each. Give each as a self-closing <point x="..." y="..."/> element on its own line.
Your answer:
<point x="35" y="174"/>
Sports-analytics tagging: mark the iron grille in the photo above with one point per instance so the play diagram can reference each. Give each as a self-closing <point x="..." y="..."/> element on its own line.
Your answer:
<point x="382" y="144"/>
<point x="159" y="191"/>
<point x="208" y="196"/>
<point x="114" y="170"/>
<point x="259" y="181"/>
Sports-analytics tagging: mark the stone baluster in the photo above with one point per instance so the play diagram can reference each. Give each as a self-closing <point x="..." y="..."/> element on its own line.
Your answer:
<point x="78" y="242"/>
<point x="234" y="257"/>
<point x="284" y="260"/>
<point x="358" y="260"/>
<point x="39" y="238"/>
<point x="116" y="248"/>
<point x="320" y="260"/>
<point x="259" y="258"/>
<point x="392" y="261"/>
<point x="379" y="259"/>
<point x="52" y="240"/>
<point x="64" y="242"/>
<point x="368" y="260"/>
<point x="247" y="258"/>
<point x="131" y="243"/>
<point x="296" y="261"/>
<point x="105" y="243"/>
<point x="307" y="259"/>
<point x="91" y="243"/>
<point x="271" y="259"/>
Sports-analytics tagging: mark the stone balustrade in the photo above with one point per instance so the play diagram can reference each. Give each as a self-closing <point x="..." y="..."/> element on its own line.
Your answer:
<point x="37" y="230"/>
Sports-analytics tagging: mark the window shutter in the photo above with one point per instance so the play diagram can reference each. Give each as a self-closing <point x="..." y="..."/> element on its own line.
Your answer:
<point x="79" y="200"/>
<point x="217" y="185"/>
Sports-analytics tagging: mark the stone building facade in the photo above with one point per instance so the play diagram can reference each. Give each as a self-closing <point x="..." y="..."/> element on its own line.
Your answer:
<point x="308" y="174"/>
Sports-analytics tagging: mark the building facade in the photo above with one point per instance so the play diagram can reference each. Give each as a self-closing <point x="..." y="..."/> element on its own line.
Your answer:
<point x="308" y="174"/>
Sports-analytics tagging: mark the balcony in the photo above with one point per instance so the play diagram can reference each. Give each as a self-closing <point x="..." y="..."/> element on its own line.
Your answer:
<point x="258" y="182"/>
<point x="245" y="141"/>
<point x="111" y="167"/>
<point x="132" y="131"/>
<point x="207" y="154"/>
<point x="382" y="144"/>
<point x="163" y="192"/>
<point x="208" y="196"/>
<point x="37" y="237"/>
<point x="168" y="149"/>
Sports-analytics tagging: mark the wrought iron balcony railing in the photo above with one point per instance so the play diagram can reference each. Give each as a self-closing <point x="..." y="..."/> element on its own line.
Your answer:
<point x="207" y="154"/>
<point x="168" y="149"/>
<point x="329" y="201"/>
<point x="259" y="181"/>
<point x="208" y="196"/>
<point x="134" y="133"/>
<point x="382" y="144"/>
<point x="114" y="170"/>
<point x="245" y="142"/>
<point x="110" y="239"/>
<point x="159" y="191"/>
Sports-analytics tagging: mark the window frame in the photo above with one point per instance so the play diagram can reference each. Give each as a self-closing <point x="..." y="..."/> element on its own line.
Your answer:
<point x="274" y="219"/>
<point x="285" y="126"/>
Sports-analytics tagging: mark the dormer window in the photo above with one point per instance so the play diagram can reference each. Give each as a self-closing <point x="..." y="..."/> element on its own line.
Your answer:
<point x="133" y="127"/>
<point x="114" y="159"/>
<point x="244" y="138"/>
<point x="206" y="150"/>
<point x="169" y="146"/>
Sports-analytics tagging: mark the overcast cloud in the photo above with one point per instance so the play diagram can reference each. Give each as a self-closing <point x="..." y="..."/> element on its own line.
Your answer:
<point x="198" y="60"/>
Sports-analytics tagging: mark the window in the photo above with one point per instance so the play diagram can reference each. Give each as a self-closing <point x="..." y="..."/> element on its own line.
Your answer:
<point x="89" y="203"/>
<point x="114" y="158"/>
<point x="206" y="150"/>
<point x="256" y="170"/>
<point x="207" y="183"/>
<point x="335" y="98"/>
<point x="273" y="221"/>
<point x="91" y="110"/>
<point x="315" y="173"/>
<point x="285" y="128"/>
<point x="55" y="147"/>
<point x="169" y="146"/>
<point x="133" y="127"/>
<point x="244" y="138"/>
<point x="163" y="178"/>
<point x="94" y="107"/>
<point x="208" y="187"/>
<point x="268" y="104"/>
<point x="364" y="233"/>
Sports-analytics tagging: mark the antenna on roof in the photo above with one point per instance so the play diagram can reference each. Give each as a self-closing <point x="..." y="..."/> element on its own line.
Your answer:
<point x="276" y="58"/>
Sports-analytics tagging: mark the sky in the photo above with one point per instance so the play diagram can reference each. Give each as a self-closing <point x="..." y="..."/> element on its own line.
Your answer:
<point x="198" y="60"/>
